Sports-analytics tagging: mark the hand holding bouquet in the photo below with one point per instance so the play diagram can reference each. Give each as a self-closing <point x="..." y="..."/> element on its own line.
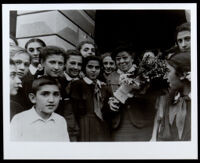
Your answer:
<point x="148" y="73"/>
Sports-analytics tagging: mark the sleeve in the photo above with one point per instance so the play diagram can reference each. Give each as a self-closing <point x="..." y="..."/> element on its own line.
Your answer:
<point x="72" y="124"/>
<point x="65" y="132"/>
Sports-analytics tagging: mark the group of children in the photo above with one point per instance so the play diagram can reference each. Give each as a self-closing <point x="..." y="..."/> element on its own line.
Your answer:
<point x="75" y="95"/>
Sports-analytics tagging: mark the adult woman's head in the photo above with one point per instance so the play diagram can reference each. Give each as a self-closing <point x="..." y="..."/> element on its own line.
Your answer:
<point x="179" y="66"/>
<point x="91" y="67"/>
<point x="33" y="47"/>
<point x="87" y="48"/>
<point x="22" y="60"/>
<point x="108" y="63"/>
<point x="123" y="57"/>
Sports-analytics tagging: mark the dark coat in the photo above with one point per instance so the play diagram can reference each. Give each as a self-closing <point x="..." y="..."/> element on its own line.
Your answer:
<point x="92" y="128"/>
<point x="140" y="110"/>
<point x="15" y="108"/>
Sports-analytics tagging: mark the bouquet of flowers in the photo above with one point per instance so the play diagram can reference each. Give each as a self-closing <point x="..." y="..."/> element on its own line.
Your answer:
<point x="149" y="73"/>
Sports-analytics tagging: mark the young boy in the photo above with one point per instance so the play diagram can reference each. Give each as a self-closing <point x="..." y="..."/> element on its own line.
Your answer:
<point x="53" y="60"/>
<point x="40" y="123"/>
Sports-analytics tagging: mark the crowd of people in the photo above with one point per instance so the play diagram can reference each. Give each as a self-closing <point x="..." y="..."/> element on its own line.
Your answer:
<point x="80" y="95"/>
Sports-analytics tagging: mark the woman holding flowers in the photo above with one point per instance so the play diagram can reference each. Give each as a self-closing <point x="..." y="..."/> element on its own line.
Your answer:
<point x="133" y="104"/>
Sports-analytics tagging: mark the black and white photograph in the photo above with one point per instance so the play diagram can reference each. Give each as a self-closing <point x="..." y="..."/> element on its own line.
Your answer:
<point x="100" y="81"/>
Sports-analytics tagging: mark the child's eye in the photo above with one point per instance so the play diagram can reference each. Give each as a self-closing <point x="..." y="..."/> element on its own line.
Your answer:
<point x="105" y="63"/>
<point x="90" y="66"/>
<point x="31" y="49"/>
<point x="118" y="59"/>
<point x="73" y="63"/>
<point x="179" y="41"/>
<point x="13" y="75"/>
<point x="18" y="62"/>
<point x="52" y="62"/>
<point x="97" y="67"/>
<point x="61" y="63"/>
<point x="26" y="64"/>
<point x="86" y="49"/>
<point x="45" y="93"/>
<point x="56" y="94"/>
<point x="187" y="38"/>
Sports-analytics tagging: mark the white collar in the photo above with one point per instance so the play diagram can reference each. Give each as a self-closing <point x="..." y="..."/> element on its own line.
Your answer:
<point x="35" y="117"/>
<point x="89" y="81"/>
<point x="133" y="67"/>
<point x="69" y="78"/>
<point x="32" y="69"/>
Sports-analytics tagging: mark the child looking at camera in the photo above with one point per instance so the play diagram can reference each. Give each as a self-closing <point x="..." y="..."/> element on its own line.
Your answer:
<point x="41" y="123"/>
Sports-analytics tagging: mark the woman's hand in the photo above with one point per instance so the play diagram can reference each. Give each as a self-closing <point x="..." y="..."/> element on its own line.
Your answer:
<point x="114" y="104"/>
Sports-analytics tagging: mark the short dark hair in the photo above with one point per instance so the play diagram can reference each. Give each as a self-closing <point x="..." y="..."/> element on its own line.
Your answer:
<point x="89" y="58"/>
<point x="73" y="52"/>
<point x="47" y="51"/>
<point x="79" y="46"/>
<point x="183" y="27"/>
<point x="122" y="48"/>
<point x="42" y="43"/>
<point x="106" y="54"/>
<point x="44" y="80"/>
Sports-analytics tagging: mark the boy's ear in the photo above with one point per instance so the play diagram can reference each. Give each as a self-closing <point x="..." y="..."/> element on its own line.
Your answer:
<point x="32" y="98"/>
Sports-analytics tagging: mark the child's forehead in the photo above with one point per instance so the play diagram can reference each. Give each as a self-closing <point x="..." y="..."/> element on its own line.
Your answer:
<point x="49" y="87"/>
<point x="53" y="56"/>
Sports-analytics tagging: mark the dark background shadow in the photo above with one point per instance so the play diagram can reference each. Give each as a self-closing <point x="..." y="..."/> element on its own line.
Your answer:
<point x="141" y="28"/>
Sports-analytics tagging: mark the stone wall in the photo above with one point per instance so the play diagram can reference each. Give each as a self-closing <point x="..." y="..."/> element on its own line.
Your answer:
<point x="63" y="28"/>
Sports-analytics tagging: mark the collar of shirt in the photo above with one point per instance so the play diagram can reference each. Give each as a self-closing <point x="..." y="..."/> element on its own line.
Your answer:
<point x="68" y="78"/>
<point x="178" y="96"/>
<point x="130" y="70"/>
<point x="35" y="117"/>
<point x="32" y="69"/>
<point x="89" y="81"/>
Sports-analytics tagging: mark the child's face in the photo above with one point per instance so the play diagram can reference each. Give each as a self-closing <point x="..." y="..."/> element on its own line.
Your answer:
<point x="53" y="65"/>
<point x="173" y="79"/>
<point x="109" y="65"/>
<point x="87" y="50"/>
<point x="15" y="82"/>
<point x="92" y="69"/>
<point x="73" y="66"/>
<point x="47" y="99"/>
<point x="183" y="40"/>
<point x="34" y="50"/>
<point x="22" y="62"/>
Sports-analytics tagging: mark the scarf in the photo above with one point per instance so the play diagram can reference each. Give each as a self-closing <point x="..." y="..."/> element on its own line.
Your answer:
<point x="179" y="110"/>
<point x="97" y="98"/>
